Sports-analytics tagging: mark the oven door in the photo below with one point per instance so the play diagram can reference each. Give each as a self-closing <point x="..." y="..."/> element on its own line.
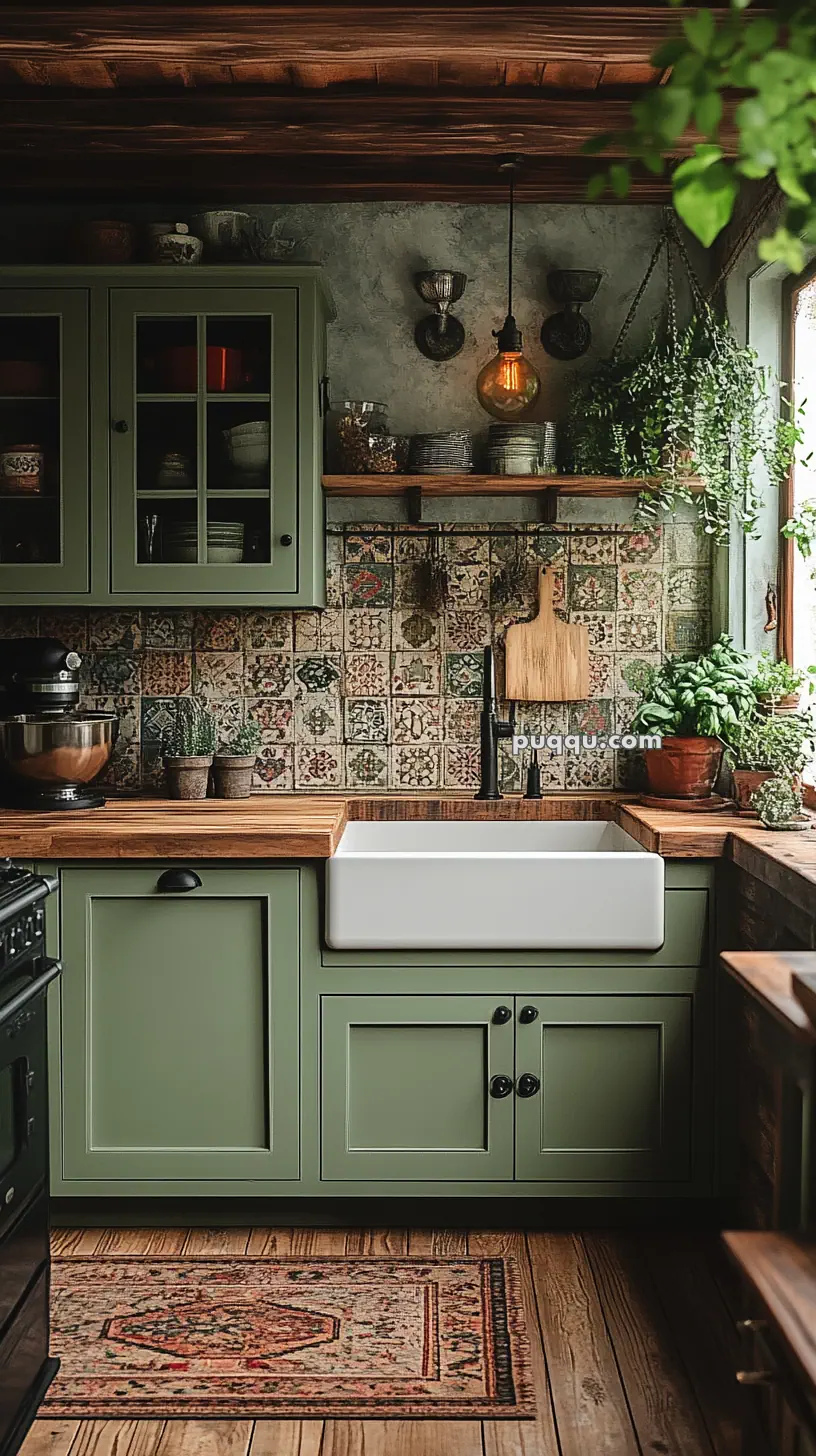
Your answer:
<point x="23" y="1092"/>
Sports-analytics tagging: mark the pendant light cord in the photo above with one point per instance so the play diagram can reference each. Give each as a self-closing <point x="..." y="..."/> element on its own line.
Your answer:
<point x="510" y="244"/>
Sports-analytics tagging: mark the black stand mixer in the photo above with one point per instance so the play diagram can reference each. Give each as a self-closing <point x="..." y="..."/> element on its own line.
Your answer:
<point x="50" y="750"/>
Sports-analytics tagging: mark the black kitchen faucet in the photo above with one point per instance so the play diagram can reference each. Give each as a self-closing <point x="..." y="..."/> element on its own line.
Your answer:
<point x="492" y="728"/>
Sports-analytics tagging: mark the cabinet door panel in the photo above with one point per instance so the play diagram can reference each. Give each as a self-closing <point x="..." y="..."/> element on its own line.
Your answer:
<point x="614" y="1101"/>
<point x="179" y="1025"/>
<point x="405" y="1088"/>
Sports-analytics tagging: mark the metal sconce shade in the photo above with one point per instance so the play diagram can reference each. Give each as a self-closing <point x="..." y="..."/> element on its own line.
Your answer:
<point x="567" y="335"/>
<point x="440" y="336"/>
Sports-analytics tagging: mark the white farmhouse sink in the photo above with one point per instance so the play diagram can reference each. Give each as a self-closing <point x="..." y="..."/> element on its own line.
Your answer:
<point x="465" y="885"/>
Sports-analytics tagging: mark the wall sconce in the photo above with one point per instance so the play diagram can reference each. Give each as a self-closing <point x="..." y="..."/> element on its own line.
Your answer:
<point x="567" y="335"/>
<point x="439" y="335"/>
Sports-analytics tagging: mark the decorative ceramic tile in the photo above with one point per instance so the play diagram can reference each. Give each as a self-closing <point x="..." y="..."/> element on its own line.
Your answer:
<point x="600" y="676"/>
<point x="509" y="769"/>
<point x="463" y="674"/>
<point x="367" y="629"/>
<point x="215" y="631"/>
<point x="466" y="629"/>
<point x="589" y="548"/>
<point x="366" y="720"/>
<point x="368" y="546"/>
<point x="17" y="622"/>
<point x="687" y="632"/>
<point x="319" y="766"/>
<point x="266" y="631"/>
<point x="686" y="546"/>
<point x="319" y="631"/>
<point x="318" y="719"/>
<point x="415" y="674"/>
<point x="595" y="715"/>
<point x="411" y="543"/>
<point x="273" y="769"/>
<point x="334" y="586"/>
<point x="542" y="717"/>
<point x="504" y="542"/>
<point x="640" y="589"/>
<point x="470" y="550"/>
<point x="368" y="585"/>
<point x="592" y="588"/>
<point x="218" y="674"/>
<point x="331" y="629"/>
<point x="590" y="770"/>
<point x="416" y="720"/>
<point x="367" y="766"/>
<point x="111" y="672"/>
<point x="461" y="720"/>
<point x="406" y="585"/>
<point x="627" y="664"/>
<point x="638" y="633"/>
<point x="688" y="589"/>
<point x="415" y="629"/>
<point x="306" y="627"/>
<point x="644" y="546"/>
<point x="549" y="545"/>
<point x="467" y="585"/>
<point x="461" y="767"/>
<point x="317" y="673"/>
<point x="552" y="767"/>
<point x="416" y="767"/>
<point x="172" y="627"/>
<point x="124" y="768"/>
<point x="625" y="709"/>
<point x="275" y="717"/>
<point x="127" y="710"/>
<point x="107" y="629"/>
<point x="269" y="674"/>
<point x="158" y="716"/>
<point x="67" y="624"/>
<point x="600" y="627"/>
<point x="367" y="674"/>
<point x="165" y="674"/>
<point x="229" y="715"/>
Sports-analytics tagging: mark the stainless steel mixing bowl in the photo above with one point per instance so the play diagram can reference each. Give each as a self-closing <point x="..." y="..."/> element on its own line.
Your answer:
<point x="56" y="754"/>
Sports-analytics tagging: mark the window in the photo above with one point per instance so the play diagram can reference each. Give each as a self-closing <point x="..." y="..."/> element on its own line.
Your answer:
<point x="797" y="617"/>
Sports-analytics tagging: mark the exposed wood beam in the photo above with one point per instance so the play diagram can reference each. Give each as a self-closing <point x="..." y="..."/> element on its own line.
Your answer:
<point x="320" y="34"/>
<point x="318" y="124"/>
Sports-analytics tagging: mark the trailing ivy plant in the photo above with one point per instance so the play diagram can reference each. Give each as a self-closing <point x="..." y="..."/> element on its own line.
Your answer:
<point x="771" y="59"/>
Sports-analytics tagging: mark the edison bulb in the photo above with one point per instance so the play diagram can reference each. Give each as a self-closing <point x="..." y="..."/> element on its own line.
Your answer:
<point x="508" y="385"/>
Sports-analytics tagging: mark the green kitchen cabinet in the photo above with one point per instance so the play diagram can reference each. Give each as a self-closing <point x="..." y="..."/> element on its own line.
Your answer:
<point x="609" y="1083"/>
<point x="183" y="441"/>
<point x="177" y="1016"/>
<point x="409" y="1088"/>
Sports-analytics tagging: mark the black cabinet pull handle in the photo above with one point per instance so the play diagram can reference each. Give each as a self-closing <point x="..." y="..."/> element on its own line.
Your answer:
<point x="527" y="1085"/>
<point x="177" y="882"/>
<point x="501" y="1015"/>
<point x="501" y="1086"/>
<point x="121" y="427"/>
<point x="528" y="1014"/>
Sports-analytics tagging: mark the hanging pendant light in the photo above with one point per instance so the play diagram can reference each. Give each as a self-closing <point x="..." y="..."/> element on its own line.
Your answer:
<point x="509" y="384"/>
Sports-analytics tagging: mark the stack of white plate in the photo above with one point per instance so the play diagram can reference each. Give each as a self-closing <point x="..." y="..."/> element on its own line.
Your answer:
<point x="225" y="541"/>
<point x="521" y="449"/>
<point x="446" y="452"/>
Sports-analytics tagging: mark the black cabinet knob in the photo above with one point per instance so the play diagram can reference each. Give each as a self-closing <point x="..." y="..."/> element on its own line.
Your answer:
<point x="501" y="1015"/>
<point x="121" y="427"/>
<point x="286" y="540"/>
<point x="528" y="1014"/>
<point x="177" y="882"/>
<point x="501" y="1086"/>
<point x="527" y="1085"/>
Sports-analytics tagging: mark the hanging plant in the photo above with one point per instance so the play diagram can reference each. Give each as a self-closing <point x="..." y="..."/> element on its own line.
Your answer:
<point x="694" y="403"/>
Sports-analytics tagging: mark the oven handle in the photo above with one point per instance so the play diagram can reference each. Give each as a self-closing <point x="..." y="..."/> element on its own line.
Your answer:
<point x="17" y="1003"/>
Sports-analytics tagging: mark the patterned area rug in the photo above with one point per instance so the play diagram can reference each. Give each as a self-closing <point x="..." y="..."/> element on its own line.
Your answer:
<point x="312" y="1338"/>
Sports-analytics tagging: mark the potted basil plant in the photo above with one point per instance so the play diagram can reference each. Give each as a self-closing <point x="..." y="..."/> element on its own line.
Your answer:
<point x="763" y="746"/>
<point x="695" y="705"/>
<point x="187" y="749"/>
<point x="235" y="762"/>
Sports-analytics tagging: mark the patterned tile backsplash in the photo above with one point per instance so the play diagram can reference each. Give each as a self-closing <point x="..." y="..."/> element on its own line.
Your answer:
<point x="381" y="690"/>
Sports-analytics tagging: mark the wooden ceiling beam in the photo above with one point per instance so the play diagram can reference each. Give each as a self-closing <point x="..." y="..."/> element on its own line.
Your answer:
<point x="319" y="124"/>
<point x="321" y="34"/>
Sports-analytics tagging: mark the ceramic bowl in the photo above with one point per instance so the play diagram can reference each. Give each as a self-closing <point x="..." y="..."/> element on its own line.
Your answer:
<point x="249" y="450"/>
<point x="223" y="233"/>
<point x="178" y="246"/>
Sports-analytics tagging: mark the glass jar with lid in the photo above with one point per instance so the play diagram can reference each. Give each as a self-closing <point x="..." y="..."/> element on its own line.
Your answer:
<point x="355" y="429"/>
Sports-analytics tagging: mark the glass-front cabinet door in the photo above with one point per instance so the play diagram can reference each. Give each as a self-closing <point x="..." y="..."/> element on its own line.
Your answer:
<point x="44" y="432"/>
<point x="204" y="442"/>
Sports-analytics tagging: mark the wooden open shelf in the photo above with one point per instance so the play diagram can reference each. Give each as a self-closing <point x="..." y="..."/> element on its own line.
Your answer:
<point x="464" y="485"/>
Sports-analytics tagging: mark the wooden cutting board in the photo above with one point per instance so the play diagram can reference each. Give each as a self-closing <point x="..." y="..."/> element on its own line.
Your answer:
<point x="547" y="660"/>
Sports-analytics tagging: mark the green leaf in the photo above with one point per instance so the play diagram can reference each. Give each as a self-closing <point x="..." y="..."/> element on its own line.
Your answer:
<point x="598" y="143"/>
<point x="668" y="53"/>
<point x="760" y="34"/>
<point x="620" y="177"/>
<point x="785" y="248"/>
<point x="700" y="30"/>
<point x="790" y="184"/>
<point x="705" y="202"/>
<point x="705" y="154"/>
<point x="708" y="113"/>
<point x="596" y="186"/>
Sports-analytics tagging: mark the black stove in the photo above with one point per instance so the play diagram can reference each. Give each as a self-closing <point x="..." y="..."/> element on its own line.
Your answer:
<point x="26" y="1368"/>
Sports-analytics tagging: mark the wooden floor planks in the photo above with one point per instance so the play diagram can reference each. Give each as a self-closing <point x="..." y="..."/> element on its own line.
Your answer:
<point x="632" y="1349"/>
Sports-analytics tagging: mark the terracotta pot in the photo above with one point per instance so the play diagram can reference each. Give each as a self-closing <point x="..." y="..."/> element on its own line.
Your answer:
<point x="746" y="783"/>
<point x="684" y="768"/>
<point x="233" y="775"/>
<point x="786" y="705"/>
<point x="104" y="242"/>
<point x="187" y="778"/>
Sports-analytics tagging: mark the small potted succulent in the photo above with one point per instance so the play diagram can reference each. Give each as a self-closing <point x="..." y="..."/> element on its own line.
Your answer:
<point x="694" y="704"/>
<point x="187" y="749"/>
<point x="235" y="762"/>
<point x="765" y="745"/>
<point x="778" y="802"/>
<point x="778" y="686"/>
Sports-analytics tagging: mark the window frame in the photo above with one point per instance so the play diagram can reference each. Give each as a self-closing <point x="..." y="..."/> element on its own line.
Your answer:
<point x="791" y="288"/>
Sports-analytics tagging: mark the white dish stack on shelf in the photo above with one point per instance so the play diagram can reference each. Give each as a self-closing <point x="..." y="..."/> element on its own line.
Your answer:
<point x="248" y="449"/>
<point x="521" y="449"/>
<point x="225" y="541"/>
<point x="445" y="452"/>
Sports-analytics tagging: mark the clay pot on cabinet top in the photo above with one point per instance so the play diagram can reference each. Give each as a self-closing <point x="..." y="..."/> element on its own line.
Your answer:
<point x="101" y="242"/>
<point x="233" y="775"/>
<point x="684" y="768"/>
<point x="187" y="778"/>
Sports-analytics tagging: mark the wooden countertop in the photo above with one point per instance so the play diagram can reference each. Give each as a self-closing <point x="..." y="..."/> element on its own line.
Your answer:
<point x="781" y="1268"/>
<point x="770" y="977"/>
